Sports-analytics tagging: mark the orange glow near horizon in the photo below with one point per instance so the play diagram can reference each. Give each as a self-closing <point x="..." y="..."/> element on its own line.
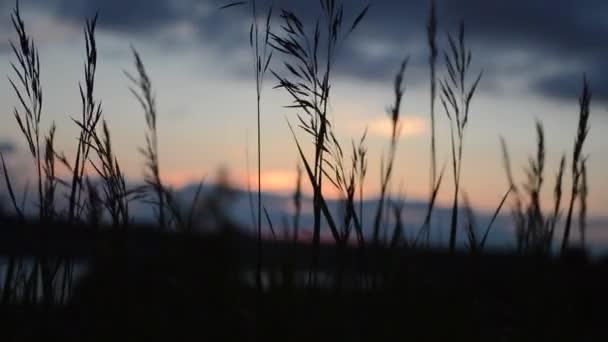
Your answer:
<point x="181" y="178"/>
<point x="411" y="126"/>
<point x="280" y="181"/>
<point x="283" y="182"/>
<point x="381" y="126"/>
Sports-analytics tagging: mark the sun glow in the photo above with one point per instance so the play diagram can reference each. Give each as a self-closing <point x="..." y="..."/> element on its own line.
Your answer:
<point x="411" y="126"/>
<point x="281" y="182"/>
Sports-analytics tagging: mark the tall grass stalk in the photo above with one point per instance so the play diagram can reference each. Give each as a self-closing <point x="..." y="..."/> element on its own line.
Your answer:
<point x="361" y="170"/>
<point x="394" y="112"/>
<point x="11" y="268"/>
<point x="345" y="181"/>
<point x="297" y="204"/>
<point x="308" y="82"/>
<point x="249" y="192"/>
<point x="517" y="207"/>
<point x="425" y="230"/>
<point x="584" y="193"/>
<point x="147" y="99"/>
<point x="259" y="43"/>
<point x="51" y="180"/>
<point x="434" y="184"/>
<point x="433" y="54"/>
<point x="557" y="200"/>
<point x="361" y="152"/>
<point x="117" y="195"/>
<point x="11" y="192"/>
<point x="262" y="55"/>
<point x="28" y="89"/>
<point x="528" y="217"/>
<point x="90" y="117"/>
<point x="536" y="229"/>
<point x="49" y="266"/>
<point x="456" y="96"/>
<point x="578" y="157"/>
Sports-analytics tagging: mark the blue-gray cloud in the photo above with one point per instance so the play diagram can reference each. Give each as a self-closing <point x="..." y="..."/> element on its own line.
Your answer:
<point x="7" y="147"/>
<point x="568" y="31"/>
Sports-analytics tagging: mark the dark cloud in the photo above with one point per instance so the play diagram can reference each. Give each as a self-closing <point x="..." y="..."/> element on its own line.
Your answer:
<point x="118" y="15"/>
<point x="133" y="16"/>
<point x="569" y="32"/>
<point x="568" y="86"/>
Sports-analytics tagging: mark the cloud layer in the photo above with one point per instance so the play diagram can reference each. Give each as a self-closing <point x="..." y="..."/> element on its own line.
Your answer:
<point x="7" y="147"/>
<point x="568" y="35"/>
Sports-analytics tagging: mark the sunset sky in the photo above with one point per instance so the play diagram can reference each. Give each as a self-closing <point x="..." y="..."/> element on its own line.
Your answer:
<point x="533" y="53"/>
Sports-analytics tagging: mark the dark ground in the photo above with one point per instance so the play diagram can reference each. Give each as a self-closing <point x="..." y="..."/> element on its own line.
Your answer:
<point x="147" y="286"/>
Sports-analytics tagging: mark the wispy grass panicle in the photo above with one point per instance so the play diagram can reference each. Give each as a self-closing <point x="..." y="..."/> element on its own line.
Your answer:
<point x="361" y="163"/>
<point x="145" y="95"/>
<point x="536" y="229"/>
<point x="394" y="112"/>
<point x="117" y="196"/>
<point x="577" y="156"/>
<point x="557" y="200"/>
<point x="50" y="177"/>
<point x="345" y="180"/>
<point x="90" y="116"/>
<point x="310" y="57"/>
<point x="532" y="229"/>
<point x="456" y="97"/>
<point x="28" y="88"/>
<point x="28" y="115"/>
